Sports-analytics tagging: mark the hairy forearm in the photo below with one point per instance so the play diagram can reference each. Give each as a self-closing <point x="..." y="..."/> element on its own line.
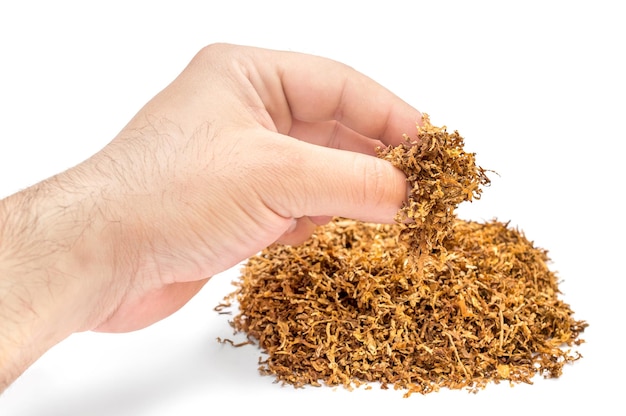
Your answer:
<point x="23" y="336"/>
<point x="18" y="288"/>
<point x="45" y="275"/>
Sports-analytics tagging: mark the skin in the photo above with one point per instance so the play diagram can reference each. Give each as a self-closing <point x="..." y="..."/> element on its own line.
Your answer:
<point x="244" y="148"/>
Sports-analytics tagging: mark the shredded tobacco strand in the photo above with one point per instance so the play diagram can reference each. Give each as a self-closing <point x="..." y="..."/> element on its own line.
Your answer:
<point x="457" y="304"/>
<point x="441" y="175"/>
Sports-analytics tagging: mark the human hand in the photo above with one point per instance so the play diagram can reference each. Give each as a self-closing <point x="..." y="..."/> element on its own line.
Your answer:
<point x="246" y="147"/>
<point x="208" y="173"/>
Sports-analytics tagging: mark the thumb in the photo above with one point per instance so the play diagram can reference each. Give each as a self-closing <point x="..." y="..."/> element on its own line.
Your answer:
<point x="332" y="182"/>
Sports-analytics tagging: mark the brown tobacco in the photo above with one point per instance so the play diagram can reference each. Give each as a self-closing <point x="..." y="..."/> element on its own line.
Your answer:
<point x="457" y="304"/>
<point x="441" y="175"/>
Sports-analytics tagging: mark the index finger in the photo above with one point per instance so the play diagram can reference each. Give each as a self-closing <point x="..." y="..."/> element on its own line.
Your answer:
<point x="319" y="89"/>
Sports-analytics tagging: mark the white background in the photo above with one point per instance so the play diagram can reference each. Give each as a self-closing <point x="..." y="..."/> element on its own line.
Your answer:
<point x="536" y="88"/>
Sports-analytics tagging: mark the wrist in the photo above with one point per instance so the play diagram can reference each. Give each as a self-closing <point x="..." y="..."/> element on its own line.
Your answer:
<point x="47" y="279"/>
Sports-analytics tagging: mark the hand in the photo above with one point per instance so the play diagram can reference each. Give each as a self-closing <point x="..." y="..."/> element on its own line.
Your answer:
<point x="246" y="147"/>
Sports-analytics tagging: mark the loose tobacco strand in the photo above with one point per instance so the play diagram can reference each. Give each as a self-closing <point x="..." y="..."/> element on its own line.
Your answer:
<point x="442" y="175"/>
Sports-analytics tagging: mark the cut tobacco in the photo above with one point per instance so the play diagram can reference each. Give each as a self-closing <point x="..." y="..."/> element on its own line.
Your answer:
<point x="429" y="302"/>
<point x="441" y="175"/>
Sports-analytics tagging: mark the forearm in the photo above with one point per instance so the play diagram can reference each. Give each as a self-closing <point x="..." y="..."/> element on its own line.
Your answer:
<point x="43" y="274"/>
<point x="24" y="333"/>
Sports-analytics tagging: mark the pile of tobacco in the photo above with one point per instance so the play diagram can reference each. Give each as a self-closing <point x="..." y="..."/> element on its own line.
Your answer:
<point x="429" y="302"/>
